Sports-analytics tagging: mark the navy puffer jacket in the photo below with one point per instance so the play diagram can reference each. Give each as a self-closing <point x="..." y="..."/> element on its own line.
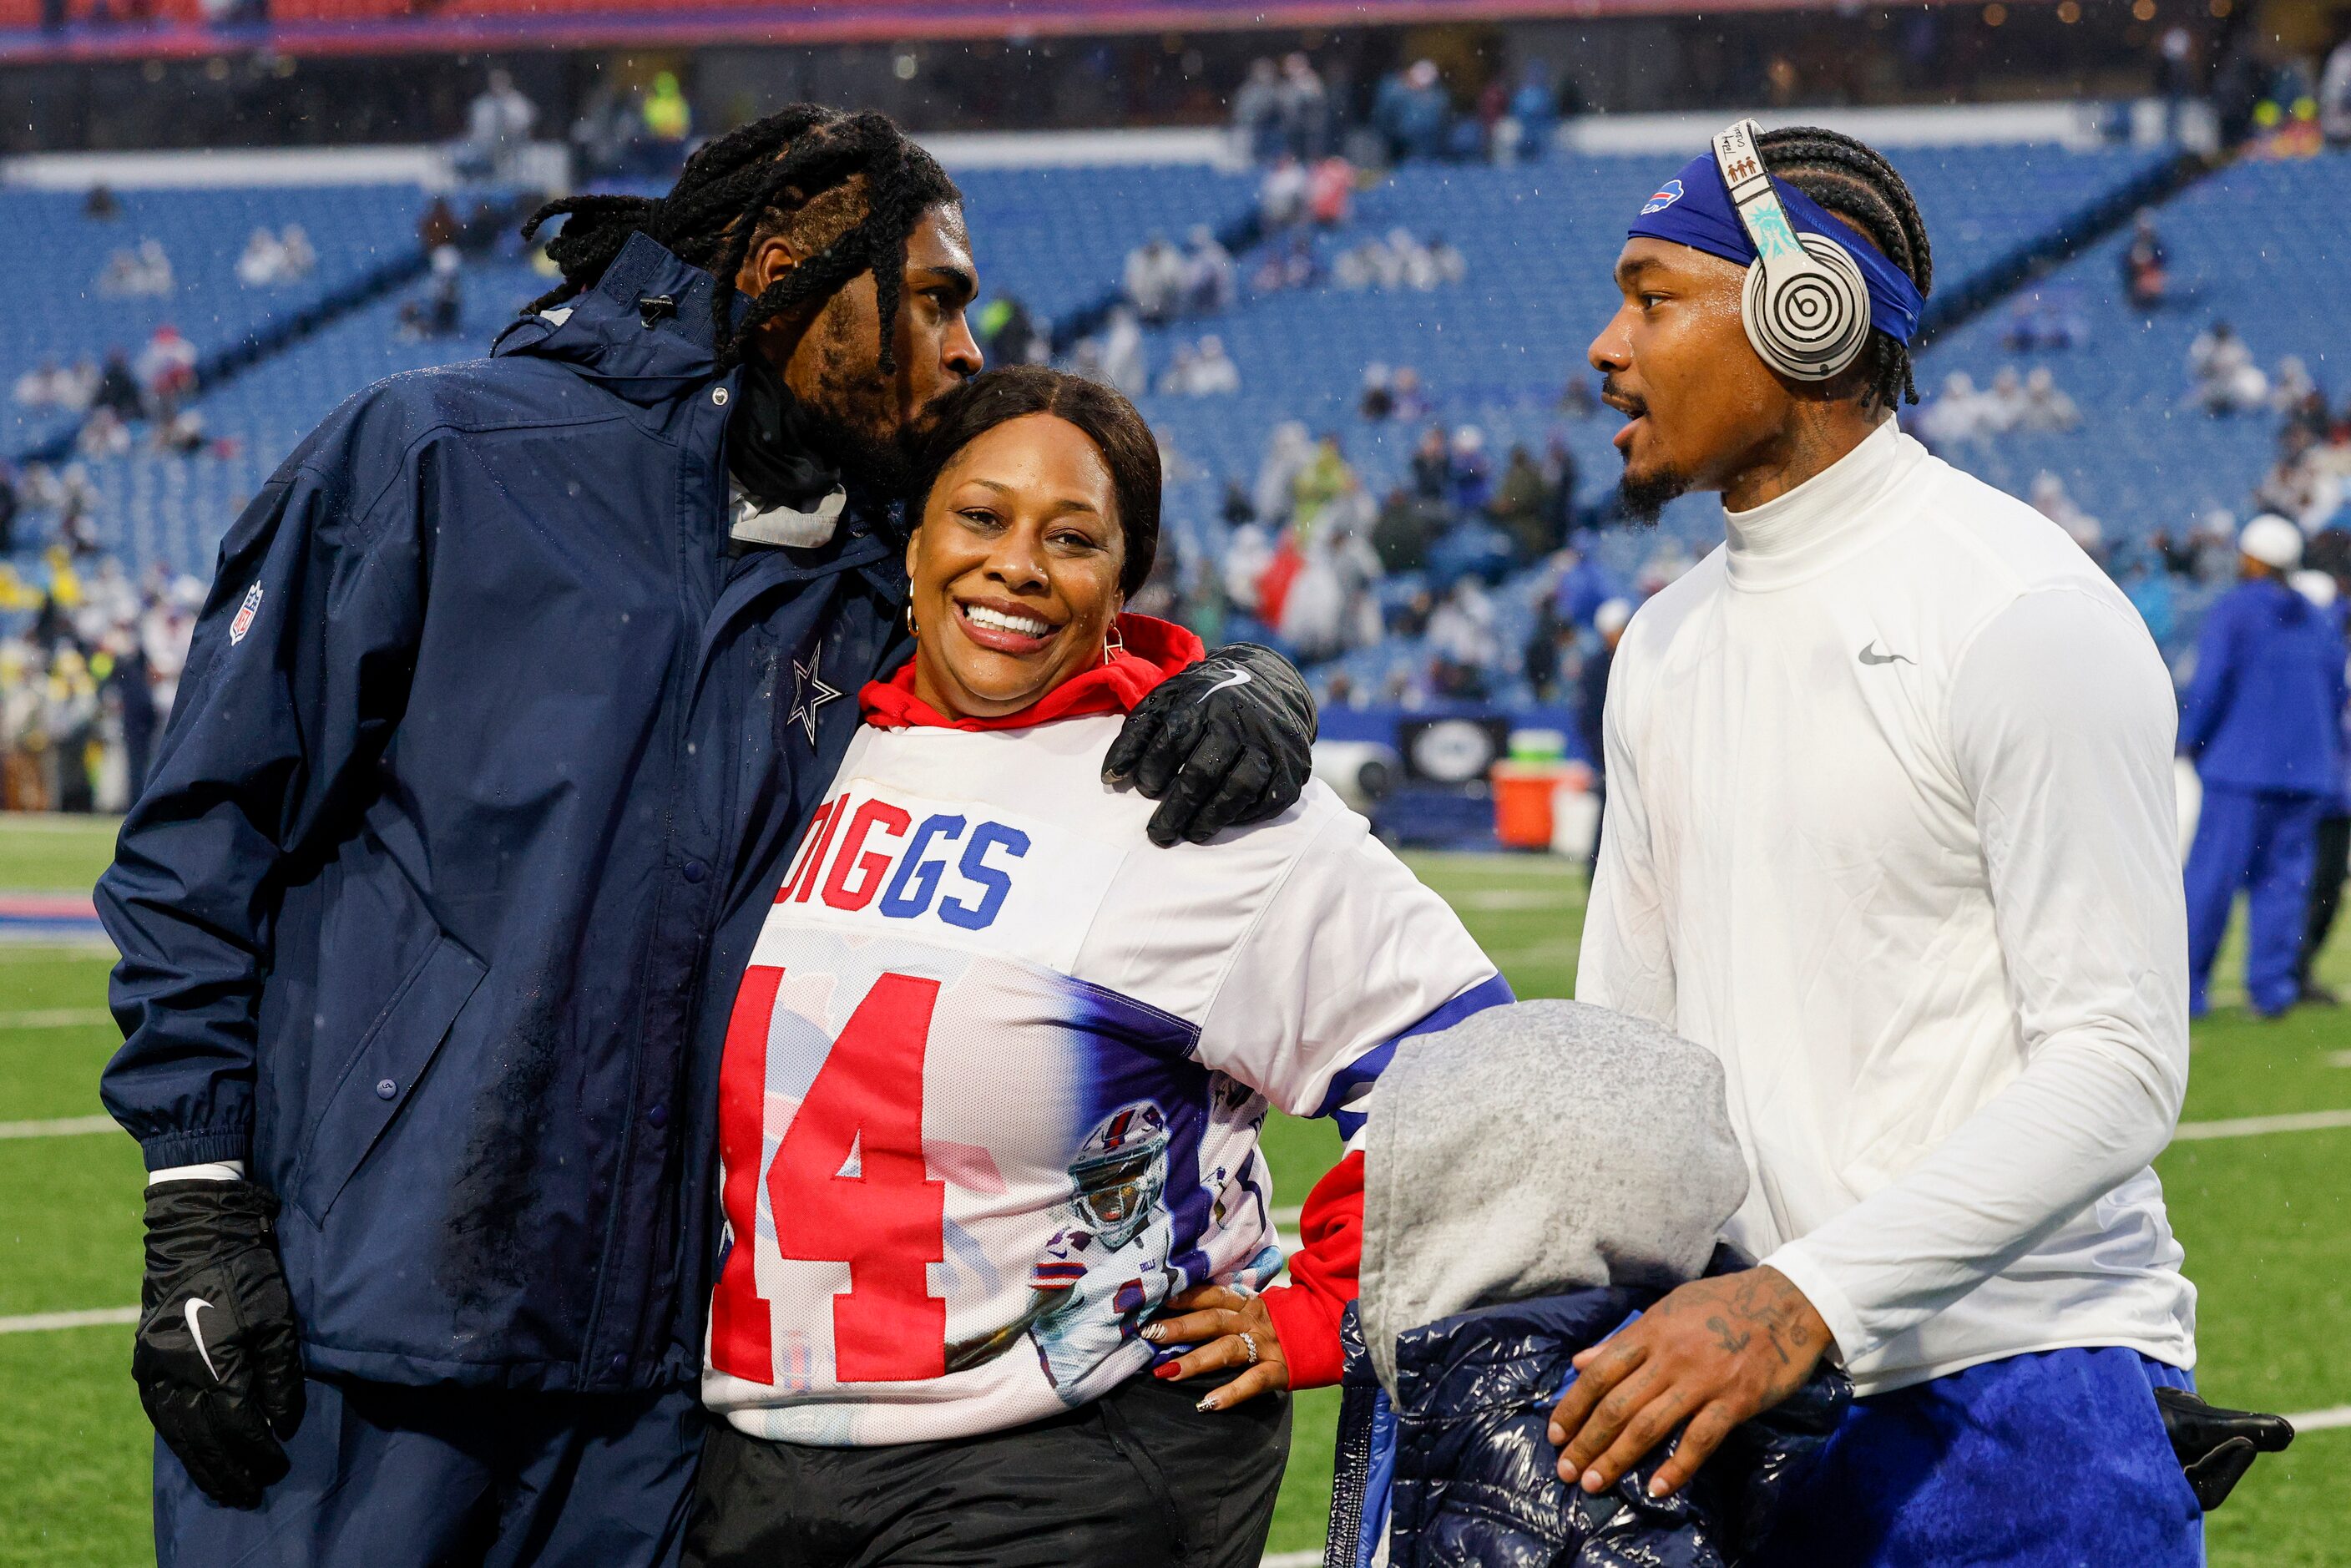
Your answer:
<point x="1462" y="1471"/>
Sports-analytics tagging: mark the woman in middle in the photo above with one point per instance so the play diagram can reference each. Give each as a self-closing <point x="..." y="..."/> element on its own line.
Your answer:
<point x="1000" y="1229"/>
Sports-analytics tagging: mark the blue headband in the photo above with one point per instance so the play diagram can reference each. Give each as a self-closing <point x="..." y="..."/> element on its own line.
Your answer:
<point x="1694" y="208"/>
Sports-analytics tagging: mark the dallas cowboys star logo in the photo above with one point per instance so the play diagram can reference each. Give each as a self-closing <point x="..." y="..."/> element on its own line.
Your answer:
<point x="808" y="694"/>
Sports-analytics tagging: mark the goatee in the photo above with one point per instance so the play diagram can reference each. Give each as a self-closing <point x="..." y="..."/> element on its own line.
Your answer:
<point x="1640" y="500"/>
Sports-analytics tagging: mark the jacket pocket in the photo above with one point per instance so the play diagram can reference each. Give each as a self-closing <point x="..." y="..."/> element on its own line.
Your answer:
<point x="382" y="1073"/>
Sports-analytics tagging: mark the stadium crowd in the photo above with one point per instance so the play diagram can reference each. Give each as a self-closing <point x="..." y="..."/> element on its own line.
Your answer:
<point x="86" y="679"/>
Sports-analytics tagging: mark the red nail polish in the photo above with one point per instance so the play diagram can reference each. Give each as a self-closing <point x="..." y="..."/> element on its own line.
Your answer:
<point x="1168" y="1369"/>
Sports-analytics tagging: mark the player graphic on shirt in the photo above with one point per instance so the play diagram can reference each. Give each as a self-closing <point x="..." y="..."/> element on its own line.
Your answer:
<point x="1098" y="1276"/>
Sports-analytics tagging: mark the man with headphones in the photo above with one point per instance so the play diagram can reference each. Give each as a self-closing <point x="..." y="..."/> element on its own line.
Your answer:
<point x="1890" y="829"/>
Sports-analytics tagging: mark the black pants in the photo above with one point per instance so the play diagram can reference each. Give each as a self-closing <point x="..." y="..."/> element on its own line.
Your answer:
<point x="2325" y="890"/>
<point x="1138" y="1479"/>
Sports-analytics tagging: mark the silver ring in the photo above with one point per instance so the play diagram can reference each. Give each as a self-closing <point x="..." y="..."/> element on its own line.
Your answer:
<point x="1249" y="1343"/>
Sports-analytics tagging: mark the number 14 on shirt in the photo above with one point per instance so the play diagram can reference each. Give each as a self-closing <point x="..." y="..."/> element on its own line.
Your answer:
<point x="849" y="1184"/>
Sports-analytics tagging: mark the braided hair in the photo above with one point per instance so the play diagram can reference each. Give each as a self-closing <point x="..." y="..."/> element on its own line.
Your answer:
<point x="1856" y="183"/>
<point x="849" y="188"/>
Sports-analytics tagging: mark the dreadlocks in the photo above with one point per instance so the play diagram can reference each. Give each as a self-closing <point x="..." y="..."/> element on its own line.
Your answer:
<point x="1854" y="182"/>
<point x="800" y="170"/>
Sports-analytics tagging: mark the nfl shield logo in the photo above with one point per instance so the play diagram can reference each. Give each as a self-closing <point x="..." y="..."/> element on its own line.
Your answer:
<point x="245" y="613"/>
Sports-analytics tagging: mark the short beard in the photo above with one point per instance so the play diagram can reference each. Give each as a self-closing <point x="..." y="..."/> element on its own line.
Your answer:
<point x="1641" y="500"/>
<point x="854" y="415"/>
<point x="871" y="458"/>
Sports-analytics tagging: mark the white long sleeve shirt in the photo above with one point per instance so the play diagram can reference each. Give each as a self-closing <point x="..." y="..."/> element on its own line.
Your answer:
<point x="1891" y="830"/>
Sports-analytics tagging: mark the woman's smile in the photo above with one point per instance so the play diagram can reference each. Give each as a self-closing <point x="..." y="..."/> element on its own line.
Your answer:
<point x="1003" y="626"/>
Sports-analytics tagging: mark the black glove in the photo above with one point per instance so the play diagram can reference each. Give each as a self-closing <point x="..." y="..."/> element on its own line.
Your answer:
<point x="1228" y="740"/>
<point x="2216" y="1446"/>
<point x="216" y="1362"/>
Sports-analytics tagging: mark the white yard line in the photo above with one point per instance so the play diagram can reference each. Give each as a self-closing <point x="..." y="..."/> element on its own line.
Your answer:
<point x="1286" y="1217"/>
<point x="104" y="1316"/>
<point x="1292" y="1560"/>
<point x="63" y="1128"/>
<point x="2253" y="1127"/>
<point x="2322" y="1420"/>
<point x="56" y="1017"/>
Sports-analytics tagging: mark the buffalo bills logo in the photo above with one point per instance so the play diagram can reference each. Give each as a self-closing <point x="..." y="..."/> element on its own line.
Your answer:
<point x="1667" y="195"/>
<point x="245" y="614"/>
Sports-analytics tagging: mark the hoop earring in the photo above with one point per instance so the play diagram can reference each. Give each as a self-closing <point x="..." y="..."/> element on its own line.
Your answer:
<point x="1113" y="646"/>
<point x="910" y="620"/>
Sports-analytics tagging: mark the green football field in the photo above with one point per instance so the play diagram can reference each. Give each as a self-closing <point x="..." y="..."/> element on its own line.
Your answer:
<point x="2263" y="1210"/>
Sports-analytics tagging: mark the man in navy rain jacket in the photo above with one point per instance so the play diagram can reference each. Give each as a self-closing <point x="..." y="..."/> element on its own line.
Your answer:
<point x="515" y="686"/>
<point x="2262" y="723"/>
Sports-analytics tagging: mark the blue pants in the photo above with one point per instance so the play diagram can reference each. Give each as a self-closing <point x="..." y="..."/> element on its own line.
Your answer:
<point x="2055" y="1460"/>
<point x="455" y="1478"/>
<point x="2265" y="842"/>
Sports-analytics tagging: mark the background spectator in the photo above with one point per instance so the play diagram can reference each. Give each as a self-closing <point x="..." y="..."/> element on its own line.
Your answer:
<point x="498" y="125"/>
<point x="1305" y="110"/>
<point x="117" y="391"/>
<point x="2335" y="96"/>
<point x="1330" y="191"/>
<point x="1412" y="114"/>
<point x="2226" y="380"/>
<point x="167" y="367"/>
<point x="1155" y="277"/>
<point x="438" y="226"/>
<point x="1006" y="334"/>
<point x="142" y="270"/>
<point x="441" y="311"/>
<point x="1281" y="194"/>
<point x="1123" y="361"/>
<point x="1210" y="279"/>
<point x="2146" y="271"/>
<point x="2046" y="407"/>
<point x="1257" y="112"/>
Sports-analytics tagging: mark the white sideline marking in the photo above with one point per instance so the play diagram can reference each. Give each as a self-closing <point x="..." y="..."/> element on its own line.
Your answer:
<point x="2322" y="1420"/>
<point x="56" y="1017"/>
<point x="1292" y="1560"/>
<point x="63" y="1128"/>
<point x="2253" y="1127"/>
<point x="1286" y="1217"/>
<point x="35" y="1321"/>
<point x="2338" y="1059"/>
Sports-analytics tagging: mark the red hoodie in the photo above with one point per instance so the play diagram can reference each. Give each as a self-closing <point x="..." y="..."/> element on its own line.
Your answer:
<point x="1323" y="1270"/>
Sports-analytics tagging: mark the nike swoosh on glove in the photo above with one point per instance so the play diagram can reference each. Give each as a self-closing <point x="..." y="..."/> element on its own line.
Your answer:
<point x="216" y="1362"/>
<point x="1230" y="741"/>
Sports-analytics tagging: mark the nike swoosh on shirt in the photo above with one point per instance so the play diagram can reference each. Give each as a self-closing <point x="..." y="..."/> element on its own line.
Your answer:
<point x="1238" y="678"/>
<point x="196" y="1331"/>
<point x="1870" y="656"/>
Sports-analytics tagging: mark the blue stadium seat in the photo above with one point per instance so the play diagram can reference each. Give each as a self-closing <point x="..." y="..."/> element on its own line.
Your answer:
<point x="2143" y="459"/>
<point x="53" y="255"/>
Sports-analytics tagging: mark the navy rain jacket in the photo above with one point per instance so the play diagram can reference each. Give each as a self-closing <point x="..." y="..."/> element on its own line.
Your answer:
<point x="485" y="763"/>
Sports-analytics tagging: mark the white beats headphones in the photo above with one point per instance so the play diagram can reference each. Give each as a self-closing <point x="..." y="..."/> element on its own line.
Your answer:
<point x="1806" y="307"/>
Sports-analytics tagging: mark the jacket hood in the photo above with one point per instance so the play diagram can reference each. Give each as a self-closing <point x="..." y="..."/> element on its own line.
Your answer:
<point x="644" y="333"/>
<point x="645" y="330"/>
<point x="1538" y="1148"/>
